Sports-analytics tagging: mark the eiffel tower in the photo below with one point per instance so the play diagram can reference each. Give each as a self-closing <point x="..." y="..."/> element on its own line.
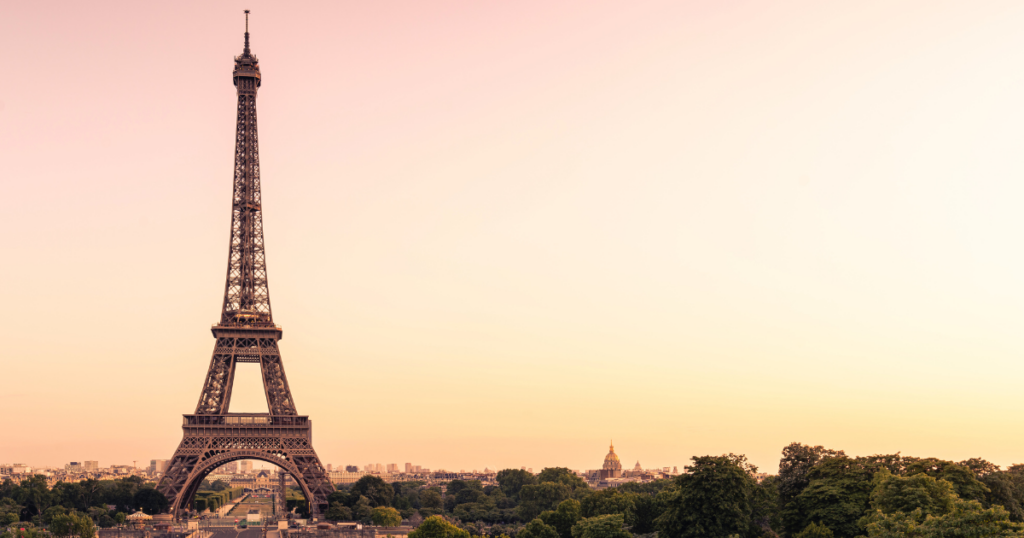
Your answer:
<point x="246" y="333"/>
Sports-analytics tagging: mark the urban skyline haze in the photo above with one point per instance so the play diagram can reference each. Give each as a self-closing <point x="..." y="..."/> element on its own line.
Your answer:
<point x="500" y="234"/>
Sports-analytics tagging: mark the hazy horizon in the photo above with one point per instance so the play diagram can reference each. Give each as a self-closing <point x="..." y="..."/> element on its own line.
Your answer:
<point x="501" y="234"/>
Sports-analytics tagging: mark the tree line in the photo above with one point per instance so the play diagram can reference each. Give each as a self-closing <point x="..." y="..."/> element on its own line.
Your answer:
<point x="817" y="493"/>
<point x="74" y="507"/>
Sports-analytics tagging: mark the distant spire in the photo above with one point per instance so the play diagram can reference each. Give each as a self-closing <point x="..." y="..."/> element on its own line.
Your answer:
<point x="246" y="50"/>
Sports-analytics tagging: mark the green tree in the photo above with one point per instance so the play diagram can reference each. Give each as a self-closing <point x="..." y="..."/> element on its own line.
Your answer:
<point x="610" y="501"/>
<point x="8" y="518"/>
<point x="105" y="521"/>
<point x="438" y="527"/>
<point x="72" y="524"/>
<point x="714" y="500"/>
<point x="562" y="475"/>
<point x="150" y="501"/>
<point x="797" y="461"/>
<point x="338" y="512"/>
<point x="815" y="530"/>
<point x="431" y="498"/>
<point x="648" y="507"/>
<point x="918" y="493"/>
<point x="536" y="498"/>
<point x="537" y="529"/>
<point x="837" y="496"/>
<point x="966" y="519"/>
<point x="606" y="526"/>
<point x="375" y="489"/>
<point x="385" y="516"/>
<point x="964" y="480"/>
<point x="34" y="496"/>
<point x="52" y="512"/>
<point x="563" y="519"/>
<point x="120" y="518"/>
<point x="362" y="510"/>
<point x="513" y="480"/>
<point x="219" y="485"/>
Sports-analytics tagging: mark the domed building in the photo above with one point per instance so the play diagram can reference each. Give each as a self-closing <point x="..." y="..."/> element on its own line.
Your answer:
<point x="637" y="467"/>
<point x="612" y="467"/>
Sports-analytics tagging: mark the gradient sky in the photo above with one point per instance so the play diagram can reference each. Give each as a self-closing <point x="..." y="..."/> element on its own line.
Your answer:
<point x="501" y="233"/>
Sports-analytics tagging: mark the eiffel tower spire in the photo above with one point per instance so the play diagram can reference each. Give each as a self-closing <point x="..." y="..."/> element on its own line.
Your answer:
<point x="246" y="333"/>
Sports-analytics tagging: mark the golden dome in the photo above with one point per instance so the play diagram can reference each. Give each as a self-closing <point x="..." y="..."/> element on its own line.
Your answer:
<point x="611" y="461"/>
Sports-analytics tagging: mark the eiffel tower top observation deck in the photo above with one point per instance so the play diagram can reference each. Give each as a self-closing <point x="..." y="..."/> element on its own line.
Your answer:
<point x="246" y="296"/>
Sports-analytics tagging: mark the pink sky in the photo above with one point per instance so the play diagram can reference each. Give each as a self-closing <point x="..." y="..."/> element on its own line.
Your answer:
<point x="501" y="233"/>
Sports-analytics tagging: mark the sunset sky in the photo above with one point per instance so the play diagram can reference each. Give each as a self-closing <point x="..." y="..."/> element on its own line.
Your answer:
<point x="502" y="233"/>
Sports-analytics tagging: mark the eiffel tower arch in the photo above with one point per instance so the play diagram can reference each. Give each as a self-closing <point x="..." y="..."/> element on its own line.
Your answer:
<point x="246" y="333"/>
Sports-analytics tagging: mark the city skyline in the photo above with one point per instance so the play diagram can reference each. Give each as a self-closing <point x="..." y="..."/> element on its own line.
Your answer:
<point x="498" y="236"/>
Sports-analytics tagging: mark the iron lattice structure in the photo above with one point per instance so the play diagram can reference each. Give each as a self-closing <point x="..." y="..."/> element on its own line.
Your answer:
<point x="246" y="333"/>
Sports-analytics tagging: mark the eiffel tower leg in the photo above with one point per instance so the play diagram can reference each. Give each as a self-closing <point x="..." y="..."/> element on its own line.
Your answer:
<point x="213" y="440"/>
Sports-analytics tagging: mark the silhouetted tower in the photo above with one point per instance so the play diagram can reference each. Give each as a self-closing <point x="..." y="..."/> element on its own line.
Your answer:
<point x="246" y="333"/>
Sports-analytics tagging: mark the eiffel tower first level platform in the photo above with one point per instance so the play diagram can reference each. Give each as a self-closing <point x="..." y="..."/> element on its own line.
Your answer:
<point x="246" y="333"/>
<point x="213" y="440"/>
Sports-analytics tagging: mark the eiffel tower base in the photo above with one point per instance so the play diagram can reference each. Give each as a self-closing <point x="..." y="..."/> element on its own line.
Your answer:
<point x="213" y="440"/>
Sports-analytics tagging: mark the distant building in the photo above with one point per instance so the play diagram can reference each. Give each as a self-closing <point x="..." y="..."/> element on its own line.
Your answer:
<point x="392" y="468"/>
<point x="408" y="467"/>
<point x="345" y="477"/>
<point x="158" y="467"/>
<point x="74" y="467"/>
<point x="329" y="467"/>
<point x="351" y="468"/>
<point x="245" y="466"/>
<point x="91" y="466"/>
<point x="612" y="467"/>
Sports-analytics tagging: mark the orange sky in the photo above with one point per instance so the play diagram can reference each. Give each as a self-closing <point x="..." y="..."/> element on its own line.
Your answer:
<point x="500" y="234"/>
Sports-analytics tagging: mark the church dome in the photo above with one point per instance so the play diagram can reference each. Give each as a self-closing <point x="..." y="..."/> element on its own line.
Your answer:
<point x="611" y="461"/>
<point x="638" y="468"/>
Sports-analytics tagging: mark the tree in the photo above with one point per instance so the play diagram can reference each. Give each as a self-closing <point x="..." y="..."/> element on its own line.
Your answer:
<point x="34" y="496"/>
<point x="120" y="518"/>
<point x="562" y="475"/>
<point x="536" y="498"/>
<point x="797" y="460"/>
<point x="610" y="501"/>
<point x="8" y="518"/>
<point x="72" y="525"/>
<point x="919" y="493"/>
<point x="537" y="529"/>
<point x="375" y="489"/>
<point x="966" y="519"/>
<point x="105" y="521"/>
<point x="362" y="510"/>
<point x="431" y="499"/>
<point x="151" y="501"/>
<point x="338" y="512"/>
<point x="815" y="530"/>
<point x="438" y="527"/>
<point x="647" y="509"/>
<point x="50" y="513"/>
<point x="219" y="485"/>
<point x="513" y="480"/>
<point x="606" y="526"/>
<point x="385" y="516"/>
<point x="563" y="519"/>
<point x="837" y="496"/>
<point x="714" y="500"/>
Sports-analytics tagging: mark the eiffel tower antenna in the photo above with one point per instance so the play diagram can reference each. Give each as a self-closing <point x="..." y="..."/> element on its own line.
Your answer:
<point x="246" y="333"/>
<point x="246" y="49"/>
